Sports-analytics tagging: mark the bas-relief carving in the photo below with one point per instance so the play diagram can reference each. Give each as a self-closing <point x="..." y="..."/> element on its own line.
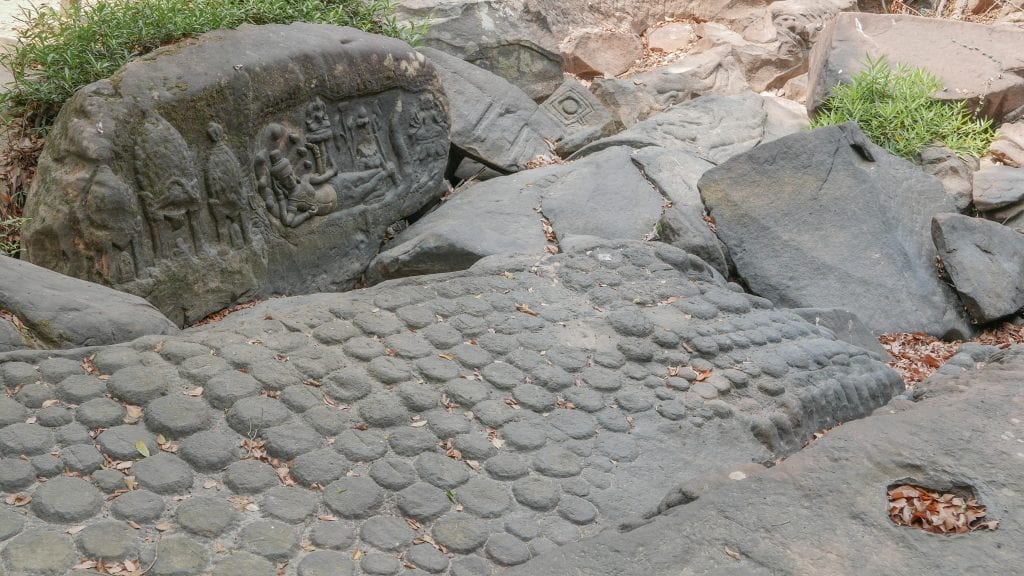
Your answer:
<point x="348" y="154"/>
<point x="321" y="159"/>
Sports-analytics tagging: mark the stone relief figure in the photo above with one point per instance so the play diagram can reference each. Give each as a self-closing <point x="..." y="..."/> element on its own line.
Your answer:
<point x="169" y="190"/>
<point x="225" y="185"/>
<point x="115" y="224"/>
<point x="422" y="137"/>
<point x="289" y="197"/>
<point x="362" y="134"/>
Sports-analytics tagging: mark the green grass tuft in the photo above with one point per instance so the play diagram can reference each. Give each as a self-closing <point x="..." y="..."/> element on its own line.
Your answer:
<point x="62" y="49"/>
<point x="895" y="108"/>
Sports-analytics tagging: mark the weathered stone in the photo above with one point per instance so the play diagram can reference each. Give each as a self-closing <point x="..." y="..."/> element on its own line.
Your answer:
<point x="675" y="174"/>
<point x="63" y="312"/>
<point x="163" y="473"/>
<point x="495" y="123"/>
<point x="39" y="554"/>
<point x="713" y="128"/>
<point x="180" y="556"/>
<point x="845" y="325"/>
<point x="999" y="188"/>
<point x="582" y="116"/>
<point x="204" y="210"/>
<point x="138" y="506"/>
<point x="66" y="499"/>
<point x="961" y="54"/>
<point x="107" y="541"/>
<point x="602" y="196"/>
<point x="1008" y="146"/>
<point x="813" y="242"/>
<point x="671" y="37"/>
<point x="956" y="173"/>
<point x="241" y="563"/>
<point x="270" y="539"/>
<point x="205" y="516"/>
<point x="326" y="563"/>
<point x="985" y="261"/>
<point x="590" y="53"/>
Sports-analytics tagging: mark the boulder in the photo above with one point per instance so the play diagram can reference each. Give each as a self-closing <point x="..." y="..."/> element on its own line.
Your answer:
<point x="57" y="311"/>
<point x="975" y="62"/>
<point x="515" y="44"/>
<point x="493" y="122"/>
<point x="985" y="261"/>
<point x="240" y="164"/>
<point x="682" y="223"/>
<point x="713" y="128"/>
<point x="601" y="52"/>
<point x="999" y="188"/>
<point x="826" y="219"/>
<point x="602" y="195"/>
<point x="1008" y="146"/>
<point x="671" y="37"/>
<point x="520" y="41"/>
<point x="956" y="173"/>
<point x="581" y="115"/>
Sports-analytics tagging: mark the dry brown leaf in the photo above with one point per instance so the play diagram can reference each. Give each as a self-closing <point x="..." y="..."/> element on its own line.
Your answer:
<point x="75" y="529"/>
<point x="18" y="499"/>
<point x="732" y="553"/>
<point x="163" y="526"/>
<point x="702" y="376"/>
<point x="525" y="309"/>
<point x="194" y="392"/>
<point x="132" y="414"/>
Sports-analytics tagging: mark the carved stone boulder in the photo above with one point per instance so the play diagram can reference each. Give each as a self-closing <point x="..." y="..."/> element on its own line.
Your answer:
<point x="241" y="164"/>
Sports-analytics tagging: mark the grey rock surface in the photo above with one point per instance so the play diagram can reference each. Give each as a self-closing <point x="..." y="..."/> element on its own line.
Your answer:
<point x="493" y="122"/>
<point x="547" y="401"/>
<point x="999" y="188"/>
<point x="58" y="311"/>
<point x="602" y="195"/>
<point x="956" y="173"/>
<point x="832" y="495"/>
<point x="713" y="128"/>
<point x="826" y="219"/>
<point x="675" y="174"/>
<point x="845" y="325"/>
<point x="967" y="57"/>
<point x="582" y="116"/>
<point x="985" y="262"/>
<point x="238" y="165"/>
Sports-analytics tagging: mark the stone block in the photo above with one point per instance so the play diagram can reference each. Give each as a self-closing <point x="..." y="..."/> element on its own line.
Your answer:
<point x="243" y="163"/>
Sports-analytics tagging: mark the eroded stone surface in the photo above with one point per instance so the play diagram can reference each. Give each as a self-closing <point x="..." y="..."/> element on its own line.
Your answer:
<point x="528" y="404"/>
<point x="217" y="170"/>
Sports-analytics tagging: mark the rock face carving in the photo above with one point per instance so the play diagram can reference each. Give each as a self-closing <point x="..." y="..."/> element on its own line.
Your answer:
<point x="240" y="164"/>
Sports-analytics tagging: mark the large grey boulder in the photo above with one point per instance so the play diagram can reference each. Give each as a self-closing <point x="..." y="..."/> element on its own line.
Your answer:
<point x="713" y="128"/>
<point x="985" y="261"/>
<point x="975" y="62"/>
<point x="826" y="219"/>
<point x="240" y="164"/>
<point x="999" y="189"/>
<point x="602" y="195"/>
<point x="493" y="122"/>
<point x="57" y="311"/>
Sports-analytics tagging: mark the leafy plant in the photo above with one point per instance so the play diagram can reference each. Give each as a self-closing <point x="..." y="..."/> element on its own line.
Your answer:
<point x="10" y="234"/>
<point x="62" y="49"/>
<point x="895" y="108"/>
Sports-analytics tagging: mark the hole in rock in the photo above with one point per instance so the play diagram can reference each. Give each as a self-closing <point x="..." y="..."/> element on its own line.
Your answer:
<point x="951" y="509"/>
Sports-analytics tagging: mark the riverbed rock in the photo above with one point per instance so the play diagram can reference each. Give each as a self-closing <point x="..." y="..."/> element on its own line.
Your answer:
<point x="493" y="122"/>
<point x="239" y="164"/>
<point x="57" y="311"/>
<point x="827" y="219"/>
<point x="580" y="413"/>
<point x="975" y="62"/>
<point x="985" y="262"/>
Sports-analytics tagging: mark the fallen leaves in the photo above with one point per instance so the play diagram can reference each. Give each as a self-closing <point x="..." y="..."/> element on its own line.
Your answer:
<point x="917" y="356"/>
<point x="525" y="309"/>
<point x="220" y="314"/>
<point x="937" y="513"/>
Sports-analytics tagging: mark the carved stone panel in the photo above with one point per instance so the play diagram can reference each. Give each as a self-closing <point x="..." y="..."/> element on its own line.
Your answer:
<point x="241" y="164"/>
